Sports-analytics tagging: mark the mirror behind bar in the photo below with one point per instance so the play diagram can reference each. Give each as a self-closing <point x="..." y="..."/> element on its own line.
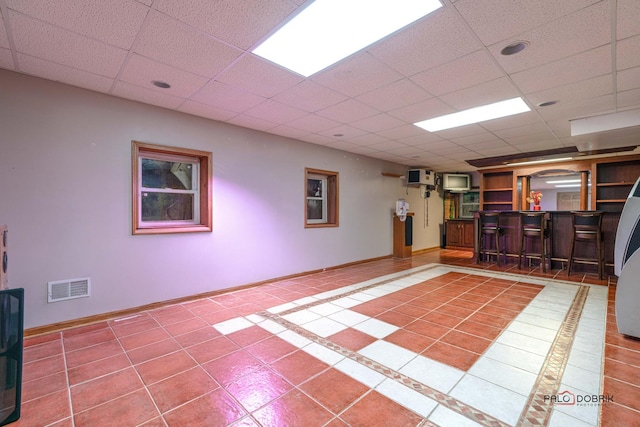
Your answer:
<point x="11" y="339"/>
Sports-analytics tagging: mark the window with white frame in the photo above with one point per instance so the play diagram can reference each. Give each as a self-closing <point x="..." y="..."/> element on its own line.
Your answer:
<point x="321" y="198"/>
<point x="171" y="189"/>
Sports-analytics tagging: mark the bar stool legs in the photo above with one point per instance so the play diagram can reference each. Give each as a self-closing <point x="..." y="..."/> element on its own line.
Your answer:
<point x="533" y="227"/>
<point x="490" y="231"/>
<point x="587" y="227"/>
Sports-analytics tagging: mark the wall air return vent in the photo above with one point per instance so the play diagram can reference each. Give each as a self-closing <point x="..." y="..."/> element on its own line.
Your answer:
<point x="62" y="290"/>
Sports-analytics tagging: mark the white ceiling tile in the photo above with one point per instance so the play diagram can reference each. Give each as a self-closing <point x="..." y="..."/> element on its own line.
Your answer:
<point x="368" y="139"/>
<point x="500" y="151"/>
<point x="479" y="147"/>
<point x="241" y="23"/>
<point x="590" y="88"/>
<point x="258" y="76"/>
<point x="59" y="73"/>
<point x="579" y="32"/>
<point x="38" y="39"/>
<point x="628" y="53"/>
<point x="559" y="73"/>
<point x="629" y="99"/>
<point x="462" y="131"/>
<point x="579" y="109"/>
<point x="203" y="110"/>
<point x="455" y="75"/>
<point x="395" y="95"/>
<point x="356" y="75"/>
<point x="628" y="23"/>
<point x="378" y="122"/>
<point x="115" y="22"/>
<point x="423" y="110"/>
<point x="142" y="71"/>
<point x="289" y="132"/>
<point x="517" y="120"/>
<point x="171" y="42"/>
<point x="434" y="40"/>
<point x="388" y="145"/>
<point x="147" y="96"/>
<point x="225" y="96"/>
<point x="252" y="122"/>
<point x="313" y="123"/>
<point x="481" y="94"/>
<point x="342" y="132"/>
<point x="6" y="60"/>
<point x="275" y="112"/>
<point x="404" y="131"/>
<point x="496" y="20"/>
<point x="348" y="111"/>
<point x="4" y="41"/>
<point x="473" y="140"/>
<point x="309" y="96"/>
<point x="421" y="139"/>
<point x="319" y="139"/>
<point x="628" y="79"/>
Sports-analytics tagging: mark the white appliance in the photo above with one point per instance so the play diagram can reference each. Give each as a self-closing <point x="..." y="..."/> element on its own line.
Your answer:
<point x="627" y="265"/>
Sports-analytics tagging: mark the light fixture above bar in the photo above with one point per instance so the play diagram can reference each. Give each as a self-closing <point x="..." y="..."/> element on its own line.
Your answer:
<point x="564" y="181"/>
<point x="483" y="113"/>
<point x="534" y="162"/>
<point x="329" y="30"/>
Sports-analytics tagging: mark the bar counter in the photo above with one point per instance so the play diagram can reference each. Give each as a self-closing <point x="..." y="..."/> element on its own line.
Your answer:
<point x="559" y="225"/>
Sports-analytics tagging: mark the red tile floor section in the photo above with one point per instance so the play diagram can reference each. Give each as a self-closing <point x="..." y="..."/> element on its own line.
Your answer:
<point x="170" y="367"/>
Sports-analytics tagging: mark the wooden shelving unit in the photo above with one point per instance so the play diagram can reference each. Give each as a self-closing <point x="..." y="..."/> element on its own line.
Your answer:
<point x="614" y="181"/>
<point x="497" y="191"/>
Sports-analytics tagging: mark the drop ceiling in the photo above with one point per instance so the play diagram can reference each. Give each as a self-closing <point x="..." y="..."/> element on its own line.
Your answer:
<point x="583" y="54"/>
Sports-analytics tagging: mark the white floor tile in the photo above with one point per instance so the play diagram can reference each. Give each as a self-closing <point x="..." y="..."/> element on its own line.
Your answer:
<point x="523" y="342"/>
<point x="363" y="297"/>
<point x="271" y="326"/>
<point x="432" y="373"/>
<point x="515" y="357"/>
<point x="348" y="317"/>
<point x="585" y="412"/>
<point x="329" y="357"/>
<point x="282" y="307"/>
<point x="506" y="376"/>
<point x="388" y="354"/>
<point x="417" y="402"/>
<point x="560" y="419"/>
<point x="533" y="331"/>
<point x="326" y="309"/>
<point x="324" y="327"/>
<point x="585" y="360"/>
<point x="445" y="417"/>
<point x="301" y="317"/>
<point x="294" y="339"/>
<point x="347" y="302"/>
<point x="376" y="328"/>
<point x="576" y="377"/>
<point x="494" y="400"/>
<point x="364" y="374"/>
<point x="232" y="325"/>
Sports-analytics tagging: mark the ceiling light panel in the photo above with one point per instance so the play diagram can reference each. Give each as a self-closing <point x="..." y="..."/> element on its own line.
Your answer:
<point x="329" y="30"/>
<point x="483" y="113"/>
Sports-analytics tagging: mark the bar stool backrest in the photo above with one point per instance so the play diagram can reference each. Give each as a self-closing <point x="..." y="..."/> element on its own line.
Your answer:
<point x="532" y="221"/>
<point x="586" y="224"/>
<point x="489" y="220"/>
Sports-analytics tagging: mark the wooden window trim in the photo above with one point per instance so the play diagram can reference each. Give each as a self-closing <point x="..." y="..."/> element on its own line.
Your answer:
<point x="333" y="189"/>
<point x="205" y="170"/>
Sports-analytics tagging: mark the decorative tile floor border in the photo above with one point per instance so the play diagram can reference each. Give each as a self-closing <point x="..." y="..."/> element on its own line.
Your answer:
<point x="536" y="412"/>
<point x="538" y="409"/>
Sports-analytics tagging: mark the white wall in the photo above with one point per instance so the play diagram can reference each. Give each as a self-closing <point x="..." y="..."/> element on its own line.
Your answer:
<point x="65" y="164"/>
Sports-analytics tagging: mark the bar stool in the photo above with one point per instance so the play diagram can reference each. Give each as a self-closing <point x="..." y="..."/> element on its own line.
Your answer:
<point x="533" y="227"/>
<point x="587" y="227"/>
<point x="490" y="233"/>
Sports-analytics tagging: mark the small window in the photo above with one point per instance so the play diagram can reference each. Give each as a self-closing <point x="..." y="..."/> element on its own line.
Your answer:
<point x="171" y="189"/>
<point x="321" y="198"/>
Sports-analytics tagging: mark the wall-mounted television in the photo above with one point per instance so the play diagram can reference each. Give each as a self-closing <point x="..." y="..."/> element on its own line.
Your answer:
<point x="456" y="182"/>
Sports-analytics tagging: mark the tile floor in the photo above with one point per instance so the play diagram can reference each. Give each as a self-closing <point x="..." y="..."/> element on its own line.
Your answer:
<point x="434" y="340"/>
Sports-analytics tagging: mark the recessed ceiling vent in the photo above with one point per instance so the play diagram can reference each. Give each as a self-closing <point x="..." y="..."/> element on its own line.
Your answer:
<point x="62" y="290"/>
